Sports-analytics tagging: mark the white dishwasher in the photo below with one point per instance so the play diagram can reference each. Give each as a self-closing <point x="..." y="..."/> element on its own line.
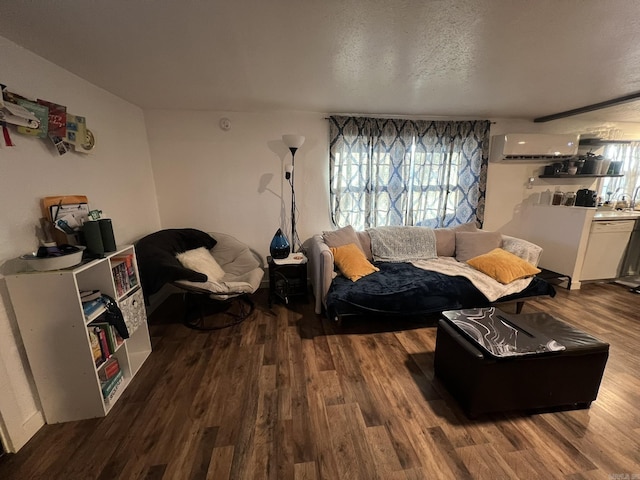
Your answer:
<point x="607" y="244"/>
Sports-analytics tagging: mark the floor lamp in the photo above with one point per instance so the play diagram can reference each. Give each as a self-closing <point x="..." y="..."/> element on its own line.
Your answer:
<point x="294" y="142"/>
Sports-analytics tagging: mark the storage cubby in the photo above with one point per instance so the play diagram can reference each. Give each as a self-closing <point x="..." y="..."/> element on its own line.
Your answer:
<point x="55" y="333"/>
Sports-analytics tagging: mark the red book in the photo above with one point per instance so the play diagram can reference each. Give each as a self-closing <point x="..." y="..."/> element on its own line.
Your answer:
<point x="110" y="370"/>
<point x="104" y="344"/>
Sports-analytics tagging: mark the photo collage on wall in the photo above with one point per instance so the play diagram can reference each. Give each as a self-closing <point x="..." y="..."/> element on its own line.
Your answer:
<point x="46" y="120"/>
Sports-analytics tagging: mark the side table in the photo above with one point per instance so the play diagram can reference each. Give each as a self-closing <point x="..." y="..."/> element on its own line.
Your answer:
<point x="287" y="280"/>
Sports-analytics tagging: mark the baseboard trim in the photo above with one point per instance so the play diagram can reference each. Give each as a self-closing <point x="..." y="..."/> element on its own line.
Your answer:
<point x="12" y="444"/>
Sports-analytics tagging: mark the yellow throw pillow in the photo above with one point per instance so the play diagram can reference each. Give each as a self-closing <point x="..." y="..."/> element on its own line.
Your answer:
<point x="503" y="266"/>
<point x="351" y="262"/>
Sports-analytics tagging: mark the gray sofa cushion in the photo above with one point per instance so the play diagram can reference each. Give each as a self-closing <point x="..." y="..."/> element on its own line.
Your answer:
<point x="472" y="244"/>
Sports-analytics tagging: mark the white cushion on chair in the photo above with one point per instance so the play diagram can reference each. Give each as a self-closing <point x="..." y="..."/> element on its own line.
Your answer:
<point x="241" y="269"/>
<point x="201" y="260"/>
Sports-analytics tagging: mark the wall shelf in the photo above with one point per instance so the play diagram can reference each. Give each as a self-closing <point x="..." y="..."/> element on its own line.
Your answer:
<point x="586" y="175"/>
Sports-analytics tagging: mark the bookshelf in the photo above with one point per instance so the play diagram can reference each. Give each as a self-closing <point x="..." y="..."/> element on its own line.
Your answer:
<point x="57" y="335"/>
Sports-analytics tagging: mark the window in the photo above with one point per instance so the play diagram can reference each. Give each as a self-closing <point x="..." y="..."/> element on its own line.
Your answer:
<point x="613" y="188"/>
<point x="406" y="172"/>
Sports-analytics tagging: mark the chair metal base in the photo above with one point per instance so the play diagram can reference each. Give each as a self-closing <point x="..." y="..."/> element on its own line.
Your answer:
<point x="201" y="311"/>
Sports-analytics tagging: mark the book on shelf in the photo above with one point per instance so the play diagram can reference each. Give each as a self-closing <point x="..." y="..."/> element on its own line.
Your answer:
<point x="124" y="274"/>
<point x="109" y="370"/>
<point x="104" y="343"/>
<point x="96" y="350"/>
<point x="113" y="338"/>
<point x="114" y="390"/>
<point x="92" y="306"/>
<point x="112" y="384"/>
<point x="130" y="271"/>
<point x="116" y="272"/>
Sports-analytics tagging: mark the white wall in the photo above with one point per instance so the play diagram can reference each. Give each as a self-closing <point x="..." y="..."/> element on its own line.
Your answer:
<point x="117" y="179"/>
<point x="233" y="181"/>
<point x="507" y="182"/>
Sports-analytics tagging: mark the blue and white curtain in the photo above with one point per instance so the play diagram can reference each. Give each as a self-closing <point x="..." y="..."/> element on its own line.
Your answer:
<point x="407" y="172"/>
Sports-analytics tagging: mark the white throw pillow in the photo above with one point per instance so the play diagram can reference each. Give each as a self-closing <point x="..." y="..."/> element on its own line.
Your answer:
<point x="200" y="260"/>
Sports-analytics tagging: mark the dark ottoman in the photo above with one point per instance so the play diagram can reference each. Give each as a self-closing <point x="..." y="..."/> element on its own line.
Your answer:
<point x="491" y="361"/>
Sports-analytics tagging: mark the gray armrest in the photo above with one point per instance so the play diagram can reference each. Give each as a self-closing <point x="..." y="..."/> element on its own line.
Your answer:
<point x="522" y="248"/>
<point x="320" y="269"/>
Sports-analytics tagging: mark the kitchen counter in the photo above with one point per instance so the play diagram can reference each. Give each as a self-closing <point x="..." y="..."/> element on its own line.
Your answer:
<point x="616" y="215"/>
<point x="561" y="231"/>
<point x="564" y="232"/>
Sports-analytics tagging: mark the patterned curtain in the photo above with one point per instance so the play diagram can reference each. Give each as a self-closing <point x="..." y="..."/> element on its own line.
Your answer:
<point x="407" y="172"/>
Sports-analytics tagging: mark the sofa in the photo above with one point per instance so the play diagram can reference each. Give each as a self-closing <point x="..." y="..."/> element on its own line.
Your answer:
<point x="419" y="270"/>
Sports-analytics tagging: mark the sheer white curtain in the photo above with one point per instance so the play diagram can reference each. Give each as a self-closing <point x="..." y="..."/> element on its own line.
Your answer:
<point x="614" y="188"/>
<point x="407" y="172"/>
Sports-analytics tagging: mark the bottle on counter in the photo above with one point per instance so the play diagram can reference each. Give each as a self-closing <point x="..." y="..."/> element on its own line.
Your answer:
<point x="558" y="197"/>
<point x="545" y="197"/>
<point x="570" y="199"/>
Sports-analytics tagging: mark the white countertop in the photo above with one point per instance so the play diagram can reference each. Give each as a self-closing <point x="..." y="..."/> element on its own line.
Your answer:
<point x="616" y="215"/>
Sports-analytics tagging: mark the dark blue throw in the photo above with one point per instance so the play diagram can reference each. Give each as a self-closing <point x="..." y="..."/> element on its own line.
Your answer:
<point x="403" y="289"/>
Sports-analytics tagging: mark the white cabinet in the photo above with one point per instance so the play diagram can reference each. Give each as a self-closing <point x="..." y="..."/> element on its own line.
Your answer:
<point x="608" y="241"/>
<point x="579" y="242"/>
<point x="562" y="232"/>
<point x="56" y="335"/>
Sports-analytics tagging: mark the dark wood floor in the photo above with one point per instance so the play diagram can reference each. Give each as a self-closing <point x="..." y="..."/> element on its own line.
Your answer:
<point x="286" y="395"/>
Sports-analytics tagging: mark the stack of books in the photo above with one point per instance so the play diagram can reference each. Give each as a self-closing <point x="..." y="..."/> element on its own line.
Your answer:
<point x="124" y="275"/>
<point x="92" y="302"/>
<point x="110" y="370"/>
<point x="111" y="377"/>
<point x="104" y="339"/>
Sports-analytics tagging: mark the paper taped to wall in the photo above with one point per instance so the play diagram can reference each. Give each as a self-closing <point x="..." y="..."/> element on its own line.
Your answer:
<point x="17" y="115"/>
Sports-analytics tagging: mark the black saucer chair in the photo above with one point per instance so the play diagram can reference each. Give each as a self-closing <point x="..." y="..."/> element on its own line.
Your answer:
<point x="158" y="265"/>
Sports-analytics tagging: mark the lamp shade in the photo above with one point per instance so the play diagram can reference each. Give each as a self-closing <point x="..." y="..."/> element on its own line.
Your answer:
<point x="293" y="141"/>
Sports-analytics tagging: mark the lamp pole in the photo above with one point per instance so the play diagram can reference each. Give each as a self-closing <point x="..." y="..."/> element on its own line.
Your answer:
<point x="293" y="200"/>
<point x="293" y="142"/>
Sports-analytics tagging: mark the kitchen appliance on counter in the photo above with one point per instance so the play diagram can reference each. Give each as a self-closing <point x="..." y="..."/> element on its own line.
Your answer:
<point x="586" y="198"/>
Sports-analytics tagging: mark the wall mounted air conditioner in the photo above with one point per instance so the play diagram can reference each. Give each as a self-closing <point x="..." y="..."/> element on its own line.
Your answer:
<point x="533" y="147"/>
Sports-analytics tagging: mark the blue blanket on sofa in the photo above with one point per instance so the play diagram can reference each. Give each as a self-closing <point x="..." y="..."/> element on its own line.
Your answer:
<point x="403" y="289"/>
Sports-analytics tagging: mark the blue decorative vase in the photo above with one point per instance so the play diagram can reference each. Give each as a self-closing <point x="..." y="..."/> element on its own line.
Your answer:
<point x="279" y="247"/>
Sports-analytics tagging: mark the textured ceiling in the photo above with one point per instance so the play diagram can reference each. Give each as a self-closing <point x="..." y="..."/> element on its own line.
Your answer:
<point x="466" y="58"/>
